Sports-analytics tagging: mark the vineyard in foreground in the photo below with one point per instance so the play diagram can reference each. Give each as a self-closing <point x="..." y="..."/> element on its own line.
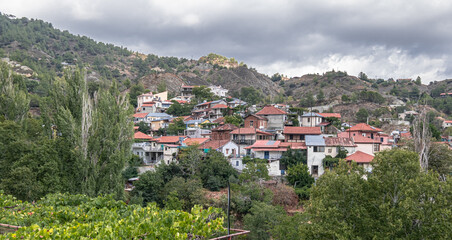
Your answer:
<point x="64" y="216"/>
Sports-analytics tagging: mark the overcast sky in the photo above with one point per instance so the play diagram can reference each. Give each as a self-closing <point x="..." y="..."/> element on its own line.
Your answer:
<point x="398" y="39"/>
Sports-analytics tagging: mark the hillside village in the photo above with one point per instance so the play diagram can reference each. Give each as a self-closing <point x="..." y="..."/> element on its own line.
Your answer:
<point x="98" y="141"/>
<point x="262" y="131"/>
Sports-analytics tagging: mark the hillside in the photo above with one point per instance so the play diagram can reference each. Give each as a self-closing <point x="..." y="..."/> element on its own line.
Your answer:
<point x="38" y="51"/>
<point x="45" y="52"/>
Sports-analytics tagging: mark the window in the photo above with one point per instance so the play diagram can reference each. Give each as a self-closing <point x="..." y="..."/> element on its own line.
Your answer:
<point x="319" y="149"/>
<point x="330" y="150"/>
<point x="291" y="136"/>
<point x="227" y="150"/>
<point x="251" y="123"/>
<point x="144" y="109"/>
<point x="301" y="137"/>
<point x="236" y="163"/>
<point x="376" y="147"/>
<point x="309" y="119"/>
<point x="381" y="139"/>
<point x="314" y="170"/>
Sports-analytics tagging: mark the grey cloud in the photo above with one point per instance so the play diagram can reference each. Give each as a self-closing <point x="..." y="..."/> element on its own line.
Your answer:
<point x="277" y="36"/>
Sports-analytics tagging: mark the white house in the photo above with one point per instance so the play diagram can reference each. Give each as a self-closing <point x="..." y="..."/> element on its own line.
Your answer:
<point x="227" y="147"/>
<point x="315" y="153"/>
<point x="218" y="91"/>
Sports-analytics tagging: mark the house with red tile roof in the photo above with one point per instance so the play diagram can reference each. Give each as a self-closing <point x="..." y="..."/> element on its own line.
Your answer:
<point x="276" y="117"/>
<point x="226" y="147"/>
<point x="367" y="145"/>
<point x="174" y="140"/>
<point x="366" y="137"/>
<point x="266" y="149"/>
<point x="334" y="144"/>
<point x="139" y="117"/>
<point x="245" y="137"/>
<point x="139" y="136"/>
<point x="297" y="134"/>
<point x="223" y="132"/>
<point x="195" y="141"/>
<point x="327" y="115"/>
<point x="147" y="107"/>
<point x="362" y="159"/>
<point x="447" y="123"/>
<point x="255" y="121"/>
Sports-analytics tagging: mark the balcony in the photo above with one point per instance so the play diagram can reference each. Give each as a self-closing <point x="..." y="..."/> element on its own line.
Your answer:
<point x="244" y="141"/>
<point x="153" y="161"/>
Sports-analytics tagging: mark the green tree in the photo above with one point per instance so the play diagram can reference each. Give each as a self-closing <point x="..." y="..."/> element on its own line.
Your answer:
<point x="143" y="127"/>
<point x="261" y="219"/>
<point x="320" y="96"/>
<point x="94" y="135"/>
<point x="418" y="81"/>
<point x="161" y="87"/>
<point x="14" y="100"/>
<point x="308" y="100"/>
<point x="363" y="76"/>
<point x="362" y="115"/>
<point x="397" y="200"/>
<point x="255" y="169"/>
<point x="177" y="109"/>
<point x="215" y="171"/>
<point x="250" y="95"/>
<point x="292" y="157"/>
<point x="177" y="127"/>
<point x="188" y="192"/>
<point x="203" y="93"/>
<point x="237" y="120"/>
<point x="298" y="176"/>
<point x="135" y="91"/>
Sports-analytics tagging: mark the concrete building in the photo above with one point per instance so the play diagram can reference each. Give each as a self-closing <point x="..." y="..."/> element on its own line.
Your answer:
<point x="276" y="117"/>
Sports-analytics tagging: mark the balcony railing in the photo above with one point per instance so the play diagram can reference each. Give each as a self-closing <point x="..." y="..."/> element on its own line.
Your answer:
<point x="244" y="141"/>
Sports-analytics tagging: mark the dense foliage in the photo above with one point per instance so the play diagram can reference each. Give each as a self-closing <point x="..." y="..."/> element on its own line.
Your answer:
<point x="79" y="145"/>
<point x="396" y="201"/>
<point x="63" y="216"/>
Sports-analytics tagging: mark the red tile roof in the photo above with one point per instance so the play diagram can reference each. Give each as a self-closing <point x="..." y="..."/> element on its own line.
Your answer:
<point x="169" y="139"/>
<point x="361" y="139"/>
<point x="265" y="144"/>
<point x="181" y="101"/>
<point x="214" y="144"/>
<point x="263" y="133"/>
<point x="219" y="120"/>
<point x="293" y="145"/>
<point x="220" y="106"/>
<point x="147" y="105"/>
<point x="205" y="103"/>
<point x="187" y="86"/>
<point x="448" y="121"/>
<point x="195" y="141"/>
<point x="244" y="131"/>
<point x="325" y="115"/>
<point x="405" y="135"/>
<point x="363" y="128"/>
<point x="226" y="127"/>
<point x="140" y="135"/>
<point x="270" y="110"/>
<point x="140" y="115"/>
<point x="302" y="130"/>
<point x="360" y="157"/>
<point x="339" y="141"/>
<point x="257" y="116"/>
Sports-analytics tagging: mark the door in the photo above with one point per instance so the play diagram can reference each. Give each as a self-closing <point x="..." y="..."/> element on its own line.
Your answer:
<point x="266" y="155"/>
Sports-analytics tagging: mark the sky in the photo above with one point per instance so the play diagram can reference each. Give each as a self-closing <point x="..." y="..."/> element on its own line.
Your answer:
<point x="384" y="39"/>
